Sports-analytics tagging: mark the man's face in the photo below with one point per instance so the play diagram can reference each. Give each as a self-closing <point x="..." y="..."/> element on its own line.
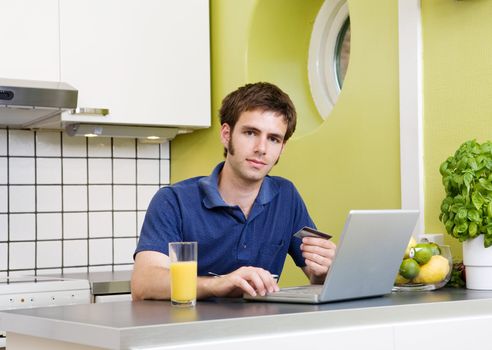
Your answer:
<point x="255" y="144"/>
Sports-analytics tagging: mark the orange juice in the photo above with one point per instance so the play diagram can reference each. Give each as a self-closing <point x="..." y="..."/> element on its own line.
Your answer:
<point x="183" y="281"/>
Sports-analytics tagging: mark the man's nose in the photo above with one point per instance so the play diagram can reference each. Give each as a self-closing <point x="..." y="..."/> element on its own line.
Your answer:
<point x="261" y="145"/>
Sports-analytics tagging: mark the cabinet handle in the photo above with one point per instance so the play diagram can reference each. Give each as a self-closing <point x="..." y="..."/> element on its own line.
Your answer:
<point x="90" y="111"/>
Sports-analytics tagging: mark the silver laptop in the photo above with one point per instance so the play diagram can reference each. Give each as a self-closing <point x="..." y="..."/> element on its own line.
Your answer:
<point x="368" y="257"/>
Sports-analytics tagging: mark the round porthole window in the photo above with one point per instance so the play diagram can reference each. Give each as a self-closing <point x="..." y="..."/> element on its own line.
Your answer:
<point x="329" y="54"/>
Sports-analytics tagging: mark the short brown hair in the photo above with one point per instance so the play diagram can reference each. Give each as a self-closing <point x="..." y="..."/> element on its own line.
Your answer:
<point x="258" y="96"/>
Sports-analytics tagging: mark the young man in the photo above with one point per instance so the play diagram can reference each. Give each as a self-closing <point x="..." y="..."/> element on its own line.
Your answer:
<point x="242" y="219"/>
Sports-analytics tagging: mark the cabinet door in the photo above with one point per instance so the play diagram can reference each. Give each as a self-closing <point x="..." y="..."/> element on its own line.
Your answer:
<point x="30" y="40"/>
<point x="147" y="61"/>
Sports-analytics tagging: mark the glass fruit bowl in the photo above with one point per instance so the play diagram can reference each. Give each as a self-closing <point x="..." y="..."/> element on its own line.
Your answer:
<point x="425" y="266"/>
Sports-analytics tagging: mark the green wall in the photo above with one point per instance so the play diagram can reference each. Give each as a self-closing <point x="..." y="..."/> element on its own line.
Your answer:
<point x="349" y="161"/>
<point x="457" y="89"/>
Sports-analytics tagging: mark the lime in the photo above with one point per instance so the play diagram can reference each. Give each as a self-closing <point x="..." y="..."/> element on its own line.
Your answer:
<point x="422" y="253"/>
<point x="409" y="268"/>
<point x="435" y="248"/>
<point x="436" y="270"/>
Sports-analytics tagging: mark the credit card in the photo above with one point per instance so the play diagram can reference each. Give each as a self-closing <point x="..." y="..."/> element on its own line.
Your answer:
<point x="311" y="232"/>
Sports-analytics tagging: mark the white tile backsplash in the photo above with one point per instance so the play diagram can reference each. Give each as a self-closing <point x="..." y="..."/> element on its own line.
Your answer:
<point x="21" y="198"/>
<point x="22" y="255"/>
<point x="74" y="225"/>
<point x="4" y="233"/>
<point x="48" y="170"/>
<point x="125" y="224"/>
<point x="48" y="144"/>
<point x="140" y="220"/>
<point x="3" y="142"/>
<point x="3" y="256"/>
<point x="73" y="204"/>
<point x="124" y="197"/>
<point x="100" y="197"/>
<point x="99" y="147"/>
<point x="49" y="254"/>
<point x="165" y="171"/>
<point x="165" y="150"/>
<point x="22" y="227"/>
<point x="75" y="253"/>
<point x="148" y="171"/>
<point x="100" y="171"/>
<point x="100" y="224"/>
<point x="21" y="143"/>
<point x="21" y="170"/>
<point x="74" y="171"/>
<point x="124" y="148"/>
<point x="123" y="267"/>
<point x="124" y="171"/>
<point x="74" y="146"/>
<point x="49" y="198"/>
<point x="75" y="198"/>
<point x="3" y="199"/>
<point x="3" y="170"/>
<point x="145" y="194"/>
<point x="124" y="249"/>
<point x="100" y="251"/>
<point x="49" y="225"/>
<point x="147" y="150"/>
<point x="101" y="268"/>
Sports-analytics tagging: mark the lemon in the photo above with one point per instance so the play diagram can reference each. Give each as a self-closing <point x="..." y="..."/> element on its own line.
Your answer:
<point x="409" y="268"/>
<point x="434" y="271"/>
<point x="412" y="243"/>
<point x="422" y="253"/>
<point x="401" y="280"/>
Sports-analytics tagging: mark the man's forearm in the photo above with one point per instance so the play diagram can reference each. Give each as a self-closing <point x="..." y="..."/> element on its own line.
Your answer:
<point x="153" y="282"/>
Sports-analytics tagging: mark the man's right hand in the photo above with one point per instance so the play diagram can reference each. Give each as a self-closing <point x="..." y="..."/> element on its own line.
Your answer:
<point x="246" y="279"/>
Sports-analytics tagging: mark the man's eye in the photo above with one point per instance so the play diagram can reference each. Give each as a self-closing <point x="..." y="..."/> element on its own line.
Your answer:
<point x="249" y="132"/>
<point x="274" y="140"/>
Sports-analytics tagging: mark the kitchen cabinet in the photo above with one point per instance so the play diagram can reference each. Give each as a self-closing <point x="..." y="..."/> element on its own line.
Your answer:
<point x="30" y="41"/>
<point x="148" y="61"/>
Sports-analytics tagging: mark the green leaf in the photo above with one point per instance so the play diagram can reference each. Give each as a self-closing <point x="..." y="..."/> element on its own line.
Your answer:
<point x="474" y="215"/>
<point x="477" y="199"/>
<point x="485" y="184"/>
<point x="468" y="178"/>
<point x="472" y="229"/>
<point x="487" y="241"/>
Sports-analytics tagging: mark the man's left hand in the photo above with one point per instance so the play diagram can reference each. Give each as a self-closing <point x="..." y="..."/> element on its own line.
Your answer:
<point x="318" y="254"/>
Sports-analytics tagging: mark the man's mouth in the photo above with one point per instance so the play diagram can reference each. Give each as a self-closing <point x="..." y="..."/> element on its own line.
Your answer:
<point x="256" y="162"/>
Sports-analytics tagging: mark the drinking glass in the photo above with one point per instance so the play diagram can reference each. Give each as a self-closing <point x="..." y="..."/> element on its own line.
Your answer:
<point x="183" y="269"/>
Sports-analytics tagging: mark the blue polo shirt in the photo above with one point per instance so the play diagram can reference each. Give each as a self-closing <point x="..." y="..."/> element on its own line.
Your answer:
<point x="193" y="210"/>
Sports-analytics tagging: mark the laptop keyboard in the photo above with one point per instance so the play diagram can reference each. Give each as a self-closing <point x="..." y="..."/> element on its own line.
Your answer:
<point x="304" y="290"/>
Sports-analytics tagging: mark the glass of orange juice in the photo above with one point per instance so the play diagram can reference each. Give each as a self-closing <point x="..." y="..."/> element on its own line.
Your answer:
<point x="183" y="269"/>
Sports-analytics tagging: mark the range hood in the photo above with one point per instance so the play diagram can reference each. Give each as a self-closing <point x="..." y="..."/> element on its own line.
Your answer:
<point x="27" y="103"/>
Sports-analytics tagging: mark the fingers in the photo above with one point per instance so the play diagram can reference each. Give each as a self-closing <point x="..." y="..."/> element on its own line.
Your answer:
<point x="253" y="280"/>
<point x="318" y="254"/>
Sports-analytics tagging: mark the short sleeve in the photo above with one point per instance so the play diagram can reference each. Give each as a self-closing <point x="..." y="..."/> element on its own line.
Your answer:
<point x="162" y="223"/>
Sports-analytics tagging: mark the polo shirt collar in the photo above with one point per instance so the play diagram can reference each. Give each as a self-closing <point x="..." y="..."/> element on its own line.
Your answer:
<point x="212" y="198"/>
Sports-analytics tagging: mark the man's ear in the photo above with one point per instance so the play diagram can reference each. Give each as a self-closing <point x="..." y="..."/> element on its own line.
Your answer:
<point x="225" y="134"/>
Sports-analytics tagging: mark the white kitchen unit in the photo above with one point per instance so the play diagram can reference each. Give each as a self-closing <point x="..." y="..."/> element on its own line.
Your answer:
<point x="30" y="40"/>
<point x="147" y="62"/>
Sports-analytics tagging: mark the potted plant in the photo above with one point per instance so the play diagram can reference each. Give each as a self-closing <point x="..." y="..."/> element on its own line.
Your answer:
<point x="466" y="211"/>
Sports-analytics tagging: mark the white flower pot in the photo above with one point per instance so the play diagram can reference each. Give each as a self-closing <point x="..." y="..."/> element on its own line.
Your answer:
<point x="478" y="262"/>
